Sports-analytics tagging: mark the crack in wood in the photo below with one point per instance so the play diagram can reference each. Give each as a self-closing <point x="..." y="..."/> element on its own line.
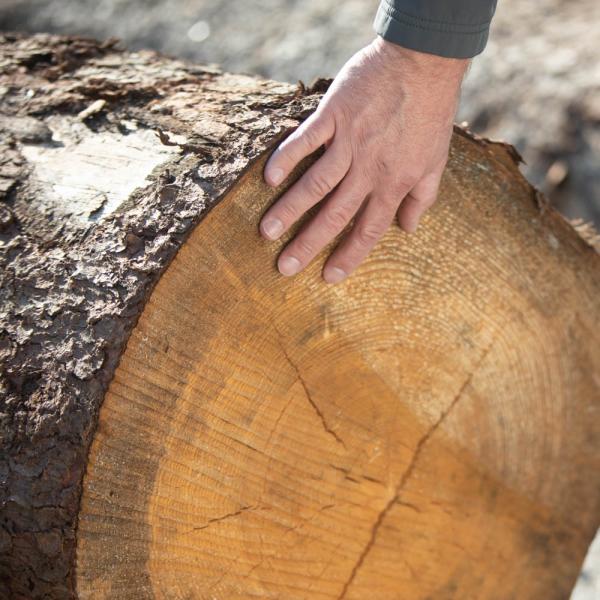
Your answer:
<point x="276" y="424"/>
<point x="310" y="399"/>
<point x="407" y="474"/>
<point x="372" y="479"/>
<point x="408" y="505"/>
<point x="222" y="518"/>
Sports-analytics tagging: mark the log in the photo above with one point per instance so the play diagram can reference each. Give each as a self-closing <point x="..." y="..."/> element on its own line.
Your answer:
<point x="179" y="421"/>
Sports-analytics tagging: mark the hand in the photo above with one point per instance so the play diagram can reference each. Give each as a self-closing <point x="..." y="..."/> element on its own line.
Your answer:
<point x="386" y="123"/>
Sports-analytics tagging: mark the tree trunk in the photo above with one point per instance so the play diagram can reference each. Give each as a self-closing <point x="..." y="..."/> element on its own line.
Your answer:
<point x="179" y="421"/>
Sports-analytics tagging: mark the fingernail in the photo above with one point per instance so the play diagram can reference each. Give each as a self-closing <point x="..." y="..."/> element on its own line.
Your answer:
<point x="275" y="176"/>
<point x="334" y="275"/>
<point x="272" y="228"/>
<point x="288" y="265"/>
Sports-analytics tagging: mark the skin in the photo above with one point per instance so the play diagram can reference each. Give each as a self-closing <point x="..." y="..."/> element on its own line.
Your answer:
<point x="386" y="123"/>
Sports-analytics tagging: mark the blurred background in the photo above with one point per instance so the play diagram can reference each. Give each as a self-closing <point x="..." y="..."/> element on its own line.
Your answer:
<point x="537" y="85"/>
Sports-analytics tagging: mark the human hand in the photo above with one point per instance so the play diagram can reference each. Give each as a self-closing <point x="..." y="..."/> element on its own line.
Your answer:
<point x="386" y="123"/>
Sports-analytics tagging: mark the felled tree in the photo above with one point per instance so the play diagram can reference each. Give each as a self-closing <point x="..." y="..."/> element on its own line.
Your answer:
<point x="179" y="421"/>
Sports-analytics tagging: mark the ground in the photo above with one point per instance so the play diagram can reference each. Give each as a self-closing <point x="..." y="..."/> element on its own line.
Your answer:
<point x="537" y="85"/>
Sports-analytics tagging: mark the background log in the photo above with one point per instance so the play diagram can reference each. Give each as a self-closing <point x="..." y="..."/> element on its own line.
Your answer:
<point x="424" y="430"/>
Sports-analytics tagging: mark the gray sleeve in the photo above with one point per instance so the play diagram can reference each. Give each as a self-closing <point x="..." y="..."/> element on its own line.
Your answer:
<point x="452" y="28"/>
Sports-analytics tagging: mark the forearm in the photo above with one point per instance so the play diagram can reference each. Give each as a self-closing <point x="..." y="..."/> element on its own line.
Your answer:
<point x="450" y="28"/>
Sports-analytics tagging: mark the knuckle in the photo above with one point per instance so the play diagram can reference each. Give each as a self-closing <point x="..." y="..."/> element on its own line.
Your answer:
<point x="317" y="185"/>
<point x="407" y="181"/>
<point x="336" y="218"/>
<point x="311" y="136"/>
<point x="288" y="212"/>
<point x="367" y="235"/>
<point x="304" y="247"/>
<point x="381" y="164"/>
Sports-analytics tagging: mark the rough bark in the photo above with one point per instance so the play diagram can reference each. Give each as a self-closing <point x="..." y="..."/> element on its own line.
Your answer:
<point x="109" y="161"/>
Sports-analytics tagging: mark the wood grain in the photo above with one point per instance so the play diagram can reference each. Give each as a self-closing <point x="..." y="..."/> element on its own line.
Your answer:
<point x="426" y="430"/>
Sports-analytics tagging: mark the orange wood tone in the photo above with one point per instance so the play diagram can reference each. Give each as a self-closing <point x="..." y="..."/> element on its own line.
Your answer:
<point x="426" y="430"/>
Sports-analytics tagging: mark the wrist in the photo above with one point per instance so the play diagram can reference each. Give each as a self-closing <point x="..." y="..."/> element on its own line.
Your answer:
<point x="423" y="62"/>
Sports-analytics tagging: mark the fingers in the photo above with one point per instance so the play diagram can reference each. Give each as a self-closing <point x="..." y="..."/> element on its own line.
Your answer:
<point x="368" y="229"/>
<point x="310" y="136"/>
<point x="374" y="220"/>
<point x="311" y="188"/>
<point x="420" y="199"/>
<point x="331" y="219"/>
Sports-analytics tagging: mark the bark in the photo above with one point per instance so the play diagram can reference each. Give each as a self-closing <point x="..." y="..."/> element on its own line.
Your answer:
<point x="109" y="161"/>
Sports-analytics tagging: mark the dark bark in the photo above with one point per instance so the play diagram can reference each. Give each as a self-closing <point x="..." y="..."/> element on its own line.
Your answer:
<point x="74" y="276"/>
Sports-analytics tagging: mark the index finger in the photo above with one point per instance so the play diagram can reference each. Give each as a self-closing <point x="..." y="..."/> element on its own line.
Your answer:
<point x="310" y="136"/>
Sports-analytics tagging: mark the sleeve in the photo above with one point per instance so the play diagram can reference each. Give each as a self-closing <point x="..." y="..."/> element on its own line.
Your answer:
<point x="451" y="28"/>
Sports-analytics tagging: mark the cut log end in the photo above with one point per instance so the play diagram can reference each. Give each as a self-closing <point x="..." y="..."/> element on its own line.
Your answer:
<point x="424" y="430"/>
<point x="410" y="433"/>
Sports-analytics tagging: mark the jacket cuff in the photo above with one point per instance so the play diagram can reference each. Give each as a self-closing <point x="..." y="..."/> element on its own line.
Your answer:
<point x="452" y="40"/>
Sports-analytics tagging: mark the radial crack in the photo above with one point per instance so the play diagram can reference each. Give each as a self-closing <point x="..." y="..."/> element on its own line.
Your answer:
<point x="407" y="474"/>
<point x="308" y="395"/>
<point x="368" y="546"/>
